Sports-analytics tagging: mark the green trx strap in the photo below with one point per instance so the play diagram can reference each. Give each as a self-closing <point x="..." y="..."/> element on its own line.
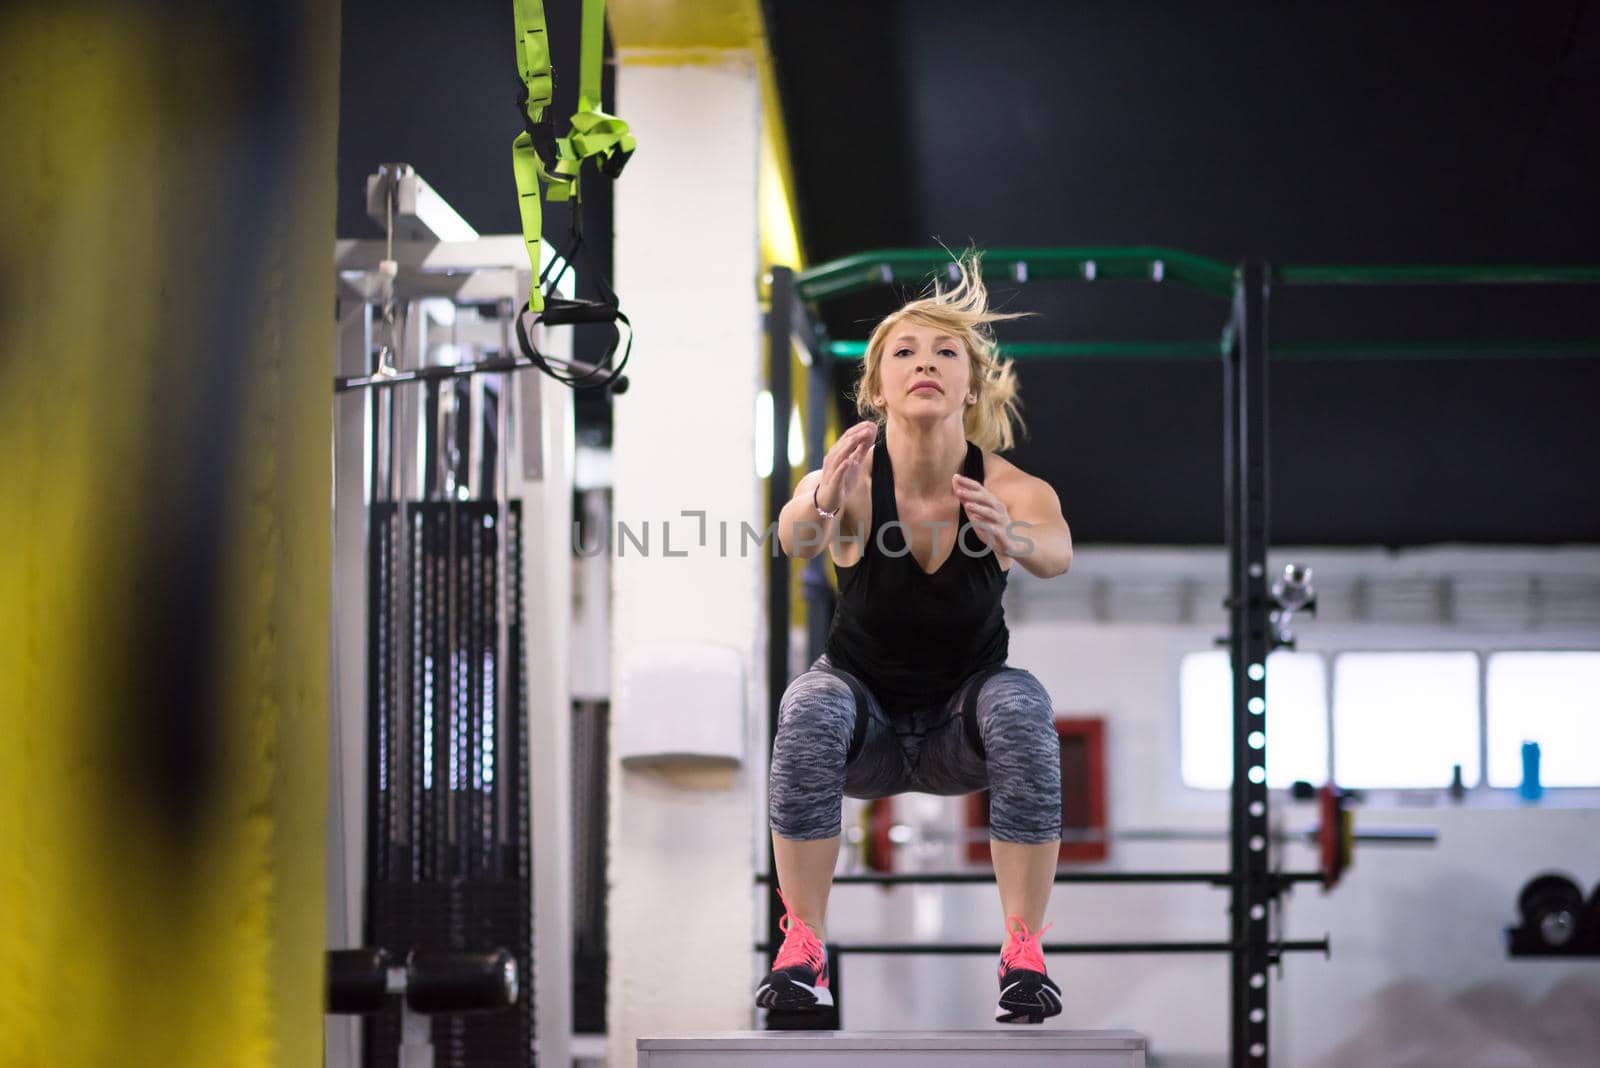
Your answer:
<point x="538" y="155"/>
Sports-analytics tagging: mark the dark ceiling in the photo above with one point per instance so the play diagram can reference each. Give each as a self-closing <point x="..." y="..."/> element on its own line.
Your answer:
<point x="1299" y="133"/>
<point x="1295" y="132"/>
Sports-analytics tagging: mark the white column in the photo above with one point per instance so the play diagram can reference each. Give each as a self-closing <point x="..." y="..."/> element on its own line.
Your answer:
<point x="682" y="859"/>
<point x="540" y="473"/>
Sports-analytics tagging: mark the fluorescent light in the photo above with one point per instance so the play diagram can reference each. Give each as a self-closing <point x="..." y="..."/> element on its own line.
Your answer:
<point x="592" y="468"/>
<point x="797" y="438"/>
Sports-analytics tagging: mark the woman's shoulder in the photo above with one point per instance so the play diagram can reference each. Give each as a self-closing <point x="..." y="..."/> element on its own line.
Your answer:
<point x="999" y="472"/>
<point x="1008" y="481"/>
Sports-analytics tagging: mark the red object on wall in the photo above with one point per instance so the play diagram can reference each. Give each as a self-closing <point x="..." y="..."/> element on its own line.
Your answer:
<point x="877" y="847"/>
<point x="1083" y="791"/>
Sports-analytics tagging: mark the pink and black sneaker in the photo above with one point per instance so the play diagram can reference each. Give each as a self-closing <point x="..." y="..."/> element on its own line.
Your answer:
<point x="799" y="976"/>
<point x="1027" y="993"/>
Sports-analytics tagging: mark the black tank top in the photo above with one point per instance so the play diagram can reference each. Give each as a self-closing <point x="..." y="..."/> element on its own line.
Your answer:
<point x="912" y="637"/>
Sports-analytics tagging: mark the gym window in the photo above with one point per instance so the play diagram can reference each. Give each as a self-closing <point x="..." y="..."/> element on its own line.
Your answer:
<point x="1297" y="709"/>
<point x="1402" y="720"/>
<point x="1552" y="698"/>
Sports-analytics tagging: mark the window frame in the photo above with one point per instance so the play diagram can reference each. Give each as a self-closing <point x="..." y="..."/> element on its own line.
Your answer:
<point x="1483" y="712"/>
<point x="1327" y="718"/>
<point x="1481" y="719"/>
<point x="1480" y="794"/>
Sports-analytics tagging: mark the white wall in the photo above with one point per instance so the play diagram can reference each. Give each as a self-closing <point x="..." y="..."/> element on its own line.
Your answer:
<point x="1419" y="974"/>
<point x="540" y="475"/>
<point x="682" y="853"/>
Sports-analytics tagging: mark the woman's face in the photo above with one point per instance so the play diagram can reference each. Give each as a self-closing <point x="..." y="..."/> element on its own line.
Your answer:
<point x="925" y="373"/>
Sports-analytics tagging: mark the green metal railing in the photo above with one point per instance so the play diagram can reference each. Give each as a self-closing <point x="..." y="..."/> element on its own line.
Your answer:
<point x="1023" y="350"/>
<point x="1436" y="276"/>
<point x="1144" y="263"/>
<point x="1287" y="351"/>
<point x="869" y="270"/>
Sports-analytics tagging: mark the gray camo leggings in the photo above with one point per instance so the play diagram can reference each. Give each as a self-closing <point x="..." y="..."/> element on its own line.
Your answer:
<point x="926" y="752"/>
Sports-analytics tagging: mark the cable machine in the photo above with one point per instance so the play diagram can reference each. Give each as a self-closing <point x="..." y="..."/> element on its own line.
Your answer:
<point x="451" y="477"/>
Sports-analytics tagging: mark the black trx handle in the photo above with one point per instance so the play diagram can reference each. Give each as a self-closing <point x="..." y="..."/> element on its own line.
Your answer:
<point x="559" y="311"/>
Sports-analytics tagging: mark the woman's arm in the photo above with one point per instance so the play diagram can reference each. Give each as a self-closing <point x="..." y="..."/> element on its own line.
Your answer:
<point x="1041" y="540"/>
<point x="1020" y="518"/>
<point x="801" y="531"/>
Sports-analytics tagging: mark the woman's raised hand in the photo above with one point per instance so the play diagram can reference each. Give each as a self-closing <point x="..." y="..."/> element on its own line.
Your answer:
<point x="842" y="468"/>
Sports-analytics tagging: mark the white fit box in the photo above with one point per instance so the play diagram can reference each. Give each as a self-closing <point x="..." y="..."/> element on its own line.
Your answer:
<point x="926" y="1049"/>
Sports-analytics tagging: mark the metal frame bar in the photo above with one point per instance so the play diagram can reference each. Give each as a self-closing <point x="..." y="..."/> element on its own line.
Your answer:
<point x="1276" y="949"/>
<point x="1253" y="888"/>
<point x="1281" y="880"/>
<point x="814" y="582"/>
<point x="1303" y="351"/>
<point x="435" y="372"/>
<point x="780" y="328"/>
<point x="1245" y="479"/>
<point x="1436" y="275"/>
<point x="1143" y="263"/>
<point x="870" y="269"/>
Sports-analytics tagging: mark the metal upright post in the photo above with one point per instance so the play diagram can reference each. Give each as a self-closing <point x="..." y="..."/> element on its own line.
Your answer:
<point x="780" y="324"/>
<point x="819" y="395"/>
<point x="819" y="398"/>
<point x="1245" y="447"/>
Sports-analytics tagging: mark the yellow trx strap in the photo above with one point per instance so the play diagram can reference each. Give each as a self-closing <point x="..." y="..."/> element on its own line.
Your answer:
<point x="537" y="154"/>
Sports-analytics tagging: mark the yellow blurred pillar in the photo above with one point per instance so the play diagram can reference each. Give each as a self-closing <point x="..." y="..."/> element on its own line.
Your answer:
<point x="167" y="202"/>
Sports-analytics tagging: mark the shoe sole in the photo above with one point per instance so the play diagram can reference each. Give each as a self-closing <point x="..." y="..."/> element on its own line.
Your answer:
<point x="780" y="991"/>
<point x="1028" y="1006"/>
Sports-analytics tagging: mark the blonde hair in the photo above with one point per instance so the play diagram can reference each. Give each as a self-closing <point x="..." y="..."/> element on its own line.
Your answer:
<point x="963" y="312"/>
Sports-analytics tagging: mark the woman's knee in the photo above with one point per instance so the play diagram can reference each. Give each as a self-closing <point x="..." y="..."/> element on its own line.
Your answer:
<point x="807" y="825"/>
<point x="1014" y="706"/>
<point x="805" y="792"/>
<point x="1025" y="835"/>
<point x="1024" y="757"/>
<point x="819" y="704"/>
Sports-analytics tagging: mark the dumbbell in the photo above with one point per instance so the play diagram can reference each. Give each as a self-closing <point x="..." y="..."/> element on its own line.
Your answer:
<point x="358" y="980"/>
<point x="430" y="982"/>
<point x="1552" y="910"/>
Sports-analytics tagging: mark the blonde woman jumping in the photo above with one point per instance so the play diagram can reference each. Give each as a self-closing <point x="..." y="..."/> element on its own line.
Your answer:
<point x="924" y="522"/>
